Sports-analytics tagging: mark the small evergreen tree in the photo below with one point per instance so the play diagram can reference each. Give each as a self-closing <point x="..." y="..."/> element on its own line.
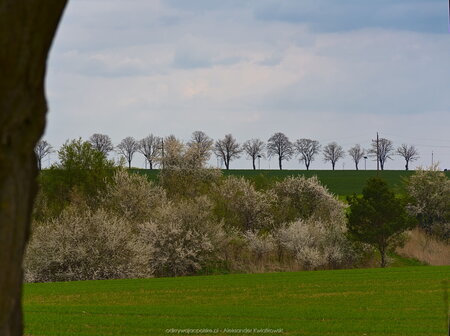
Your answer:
<point x="378" y="218"/>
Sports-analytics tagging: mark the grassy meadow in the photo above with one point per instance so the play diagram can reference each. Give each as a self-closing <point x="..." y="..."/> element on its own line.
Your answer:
<point x="393" y="301"/>
<point x="339" y="182"/>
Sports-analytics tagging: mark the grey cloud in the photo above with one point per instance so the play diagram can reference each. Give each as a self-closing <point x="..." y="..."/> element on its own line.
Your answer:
<point x="329" y="16"/>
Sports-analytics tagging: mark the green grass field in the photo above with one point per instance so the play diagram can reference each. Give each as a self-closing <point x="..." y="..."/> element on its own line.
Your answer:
<point x="339" y="182"/>
<point x="393" y="301"/>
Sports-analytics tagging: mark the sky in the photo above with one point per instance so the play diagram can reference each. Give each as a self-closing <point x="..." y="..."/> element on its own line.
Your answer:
<point x="321" y="69"/>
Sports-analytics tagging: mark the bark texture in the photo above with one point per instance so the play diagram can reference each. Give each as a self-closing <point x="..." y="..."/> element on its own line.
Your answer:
<point x="27" y="28"/>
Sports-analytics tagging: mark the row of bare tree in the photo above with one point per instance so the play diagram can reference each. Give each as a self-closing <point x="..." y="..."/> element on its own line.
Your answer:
<point x="170" y="151"/>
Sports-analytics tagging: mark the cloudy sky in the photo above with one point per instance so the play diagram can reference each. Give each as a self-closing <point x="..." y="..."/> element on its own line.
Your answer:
<point x="322" y="69"/>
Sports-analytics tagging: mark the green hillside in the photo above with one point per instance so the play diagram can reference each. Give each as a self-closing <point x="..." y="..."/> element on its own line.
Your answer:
<point x="393" y="301"/>
<point x="340" y="182"/>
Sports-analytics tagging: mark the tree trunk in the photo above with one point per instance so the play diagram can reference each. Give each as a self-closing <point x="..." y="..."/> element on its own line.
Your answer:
<point x="407" y="165"/>
<point x="254" y="166"/>
<point x="333" y="164"/>
<point x="307" y="166"/>
<point x="280" y="163"/>
<point x="356" y="165"/>
<point x="27" y="28"/>
<point x="383" y="257"/>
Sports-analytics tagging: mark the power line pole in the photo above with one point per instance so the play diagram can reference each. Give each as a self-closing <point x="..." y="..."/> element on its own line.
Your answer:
<point x="162" y="152"/>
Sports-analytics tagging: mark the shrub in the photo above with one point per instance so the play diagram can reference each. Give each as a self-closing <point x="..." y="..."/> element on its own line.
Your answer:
<point x="242" y="206"/>
<point x="316" y="244"/>
<point x="260" y="244"/>
<point x="429" y="193"/>
<point x="133" y="196"/>
<point x="304" y="198"/>
<point x="81" y="245"/>
<point x="188" y="182"/>
<point x="182" y="238"/>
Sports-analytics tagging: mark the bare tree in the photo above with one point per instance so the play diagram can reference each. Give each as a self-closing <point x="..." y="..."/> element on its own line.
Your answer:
<point x="333" y="152"/>
<point x="279" y="145"/>
<point x="102" y="143"/>
<point x="200" y="147"/>
<point x="307" y="149"/>
<point x="150" y="147"/>
<point x="27" y="28"/>
<point x="227" y="149"/>
<point x="357" y="153"/>
<point x="127" y="148"/>
<point x="409" y="153"/>
<point x="254" y="149"/>
<point x="382" y="151"/>
<point x="42" y="149"/>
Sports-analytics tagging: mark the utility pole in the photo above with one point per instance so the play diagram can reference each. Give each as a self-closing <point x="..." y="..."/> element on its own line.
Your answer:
<point x="162" y="152"/>
<point x="432" y="158"/>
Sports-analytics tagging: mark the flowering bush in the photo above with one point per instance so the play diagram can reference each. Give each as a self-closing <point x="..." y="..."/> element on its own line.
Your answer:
<point x="242" y="206"/>
<point x="429" y="192"/>
<point x="181" y="238"/>
<point x="82" y="245"/>
<point x="315" y="244"/>
<point x="304" y="198"/>
<point x="133" y="196"/>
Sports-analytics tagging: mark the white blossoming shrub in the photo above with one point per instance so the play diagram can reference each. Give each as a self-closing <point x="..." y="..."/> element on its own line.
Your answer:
<point x="260" y="244"/>
<point x="182" y="238"/>
<point x="305" y="198"/>
<point x="429" y="201"/>
<point x="132" y="196"/>
<point x="242" y="206"/>
<point x="81" y="245"/>
<point x="315" y="244"/>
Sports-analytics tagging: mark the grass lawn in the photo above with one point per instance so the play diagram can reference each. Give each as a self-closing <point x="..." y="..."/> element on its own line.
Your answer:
<point x="392" y="301"/>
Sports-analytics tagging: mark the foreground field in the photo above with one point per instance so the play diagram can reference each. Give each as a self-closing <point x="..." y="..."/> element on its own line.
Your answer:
<point x="394" y="301"/>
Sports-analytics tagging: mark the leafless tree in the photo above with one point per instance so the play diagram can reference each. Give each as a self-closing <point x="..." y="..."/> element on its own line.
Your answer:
<point x="200" y="147"/>
<point x="409" y="153"/>
<point x="307" y="149"/>
<point x="150" y="147"/>
<point x="42" y="149"/>
<point x="227" y="149"/>
<point x="127" y="148"/>
<point x="254" y="149"/>
<point x="279" y="145"/>
<point x="102" y="143"/>
<point x="27" y="28"/>
<point x="383" y="151"/>
<point x="333" y="152"/>
<point x="357" y="153"/>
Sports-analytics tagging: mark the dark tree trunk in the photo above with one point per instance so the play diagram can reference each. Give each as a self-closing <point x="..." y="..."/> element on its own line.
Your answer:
<point x="254" y="166"/>
<point x="150" y="164"/>
<point x="27" y="28"/>
<point x="307" y="165"/>
<point x="407" y="165"/>
<point x="356" y="165"/>
<point x="383" y="258"/>
<point x="129" y="164"/>
<point x="280" y="163"/>
<point x="333" y="164"/>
